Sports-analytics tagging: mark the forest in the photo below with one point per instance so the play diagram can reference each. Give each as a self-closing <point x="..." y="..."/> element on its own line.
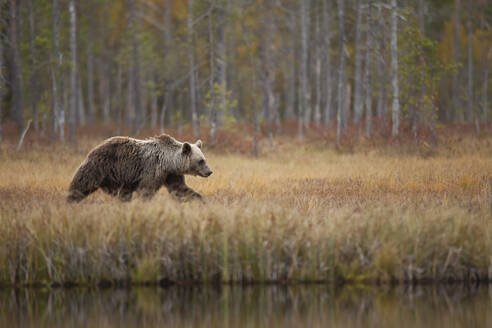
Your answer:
<point x="357" y="67"/>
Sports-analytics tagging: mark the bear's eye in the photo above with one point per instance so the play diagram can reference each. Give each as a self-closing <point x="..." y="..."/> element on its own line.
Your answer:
<point x="201" y="162"/>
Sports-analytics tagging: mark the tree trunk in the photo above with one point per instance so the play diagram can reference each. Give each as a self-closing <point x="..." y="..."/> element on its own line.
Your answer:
<point x="73" y="71"/>
<point x="137" y="85"/>
<point x="305" y="99"/>
<point x="168" y="90"/>
<point x="103" y="90"/>
<point x="485" y="68"/>
<point x="341" y="70"/>
<point x="485" y="86"/>
<point x="153" y="104"/>
<point x="469" y="107"/>
<point x="33" y="77"/>
<point x="317" y="68"/>
<point x="90" y="72"/>
<point x="358" y="66"/>
<point x="130" y="99"/>
<point x="328" y="74"/>
<point x="57" y="79"/>
<point x="291" y="83"/>
<point x="119" y="97"/>
<point x="191" y="59"/>
<point x="381" y="67"/>
<point x="212" y="104"/>
<point x="456" y="58"/>
<point x="2" y="41"/>
<point x="15" y="65"/>
<point x="81" y="120"/>
<point x="269" y="69"/>
<point x="221" y="64"/>
<point x="368" y="70"/>
<point x="394" y="70"/>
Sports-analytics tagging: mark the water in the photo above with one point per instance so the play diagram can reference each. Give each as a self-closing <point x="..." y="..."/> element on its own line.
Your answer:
<point x="264" y="306"/>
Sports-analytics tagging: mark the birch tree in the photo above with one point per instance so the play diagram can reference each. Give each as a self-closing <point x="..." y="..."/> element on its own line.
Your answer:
<point x="291" y="80"/>
<point x="268" y="68"/>
<point x="341" y="70"/>
<point x="368" y="70"/>
<point x="15" y="65"/>
<point x="328" y="73"/>
<point x="33" y="68"/>
<point x="90" y="69"/>
<point x="358" y="65"/>
<point x="73" y="71"/>
<point x="469" y="108"/>
<point x="57" y="80"/>
<point x="305" y="99"/>
<point x="456" y="58"/>
<point x="394" y="70"/>
<point x="381" y="71"/>
<point x="136" y="84"/>
<point x="191" y="61"/>
<point x="2" y="41"/>
<point x="485" y="58"/>
<point x="317" y="66"/>
<point x="167" y="104"/>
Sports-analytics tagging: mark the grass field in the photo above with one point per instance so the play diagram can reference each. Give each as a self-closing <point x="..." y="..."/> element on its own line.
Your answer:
<point x="299" y="212"/>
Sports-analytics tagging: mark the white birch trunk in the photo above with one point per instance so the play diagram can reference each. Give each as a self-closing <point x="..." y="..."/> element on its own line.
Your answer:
<point x="358" y="65"/>
<point x="469" y="107"/>
<point x="135" y="76"/>
<point x="304" y="101"/>
<point x="57" y="80"/>
<point x="368" y="70"/>
<point x="394" y="70"/>
<point x="456" y="111"/>
<point x="1" y="73"/>
<point x="191" y="60"/>
<point x="80" y="102"/>
<point x="153" y="106"/>
<point x="485" y="69"/>
<point x="33" y="77"/>
<point x="73" y="71"/>
<point x="90" y="75"/>
<point x="341" y="70"/>
<point x="269" y="70"/>
<point x="328" y="73"/>
<point x="291" y="83"/>
<point x="381" y="67"/>
<point x="317" y="69"/>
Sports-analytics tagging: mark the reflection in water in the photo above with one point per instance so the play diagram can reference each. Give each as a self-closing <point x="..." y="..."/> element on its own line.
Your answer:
<point x="259" y="306"/>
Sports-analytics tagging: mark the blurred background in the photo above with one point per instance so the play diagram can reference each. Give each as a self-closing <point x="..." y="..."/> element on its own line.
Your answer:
<point x="330" y="68"/>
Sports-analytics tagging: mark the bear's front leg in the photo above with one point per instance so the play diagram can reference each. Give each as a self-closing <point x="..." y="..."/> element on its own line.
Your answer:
<point x="125" y="195"/>
<point x="176" y="185"/>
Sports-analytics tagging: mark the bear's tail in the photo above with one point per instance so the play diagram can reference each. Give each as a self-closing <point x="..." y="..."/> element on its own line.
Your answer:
<point x="85" y="181"/>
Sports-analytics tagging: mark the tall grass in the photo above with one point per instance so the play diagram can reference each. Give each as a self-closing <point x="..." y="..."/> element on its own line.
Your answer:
<point x="299" y="213"/>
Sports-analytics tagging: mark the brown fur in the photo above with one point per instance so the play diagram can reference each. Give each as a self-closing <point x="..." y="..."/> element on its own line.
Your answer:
<point x="121" y="165"/>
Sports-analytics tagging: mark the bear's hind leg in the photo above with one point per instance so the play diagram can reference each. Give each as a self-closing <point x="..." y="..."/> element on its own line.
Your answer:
<point x="85" y="181"/>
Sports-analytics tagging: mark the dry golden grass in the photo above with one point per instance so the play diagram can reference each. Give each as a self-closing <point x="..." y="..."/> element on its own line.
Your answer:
<point x="299" y="213"/>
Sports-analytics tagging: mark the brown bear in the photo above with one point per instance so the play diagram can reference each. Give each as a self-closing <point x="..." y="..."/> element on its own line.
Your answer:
<point x="122" y="165"/>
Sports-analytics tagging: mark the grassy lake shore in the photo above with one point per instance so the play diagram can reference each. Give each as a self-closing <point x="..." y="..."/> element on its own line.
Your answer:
<point x="299" y="213"/>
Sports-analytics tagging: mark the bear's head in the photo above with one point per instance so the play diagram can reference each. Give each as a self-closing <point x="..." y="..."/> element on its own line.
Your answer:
<point x="195" y="159"/>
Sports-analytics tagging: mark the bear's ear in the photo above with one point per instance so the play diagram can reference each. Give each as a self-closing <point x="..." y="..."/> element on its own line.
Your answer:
<point x="199" y="144"/>
<point x="186" y="148"/>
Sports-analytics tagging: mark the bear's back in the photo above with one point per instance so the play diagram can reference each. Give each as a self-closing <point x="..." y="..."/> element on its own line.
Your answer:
<point x="116" y="148"/>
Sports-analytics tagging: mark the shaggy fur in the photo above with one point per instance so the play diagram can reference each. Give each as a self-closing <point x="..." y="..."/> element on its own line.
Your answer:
<point x="121" y="165"/>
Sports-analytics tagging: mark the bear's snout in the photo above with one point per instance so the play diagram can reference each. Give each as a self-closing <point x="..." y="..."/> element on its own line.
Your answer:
<point x="205" y="174"/>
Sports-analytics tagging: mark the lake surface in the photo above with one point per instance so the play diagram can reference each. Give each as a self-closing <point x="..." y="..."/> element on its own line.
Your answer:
<point x="259" y="306"/>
